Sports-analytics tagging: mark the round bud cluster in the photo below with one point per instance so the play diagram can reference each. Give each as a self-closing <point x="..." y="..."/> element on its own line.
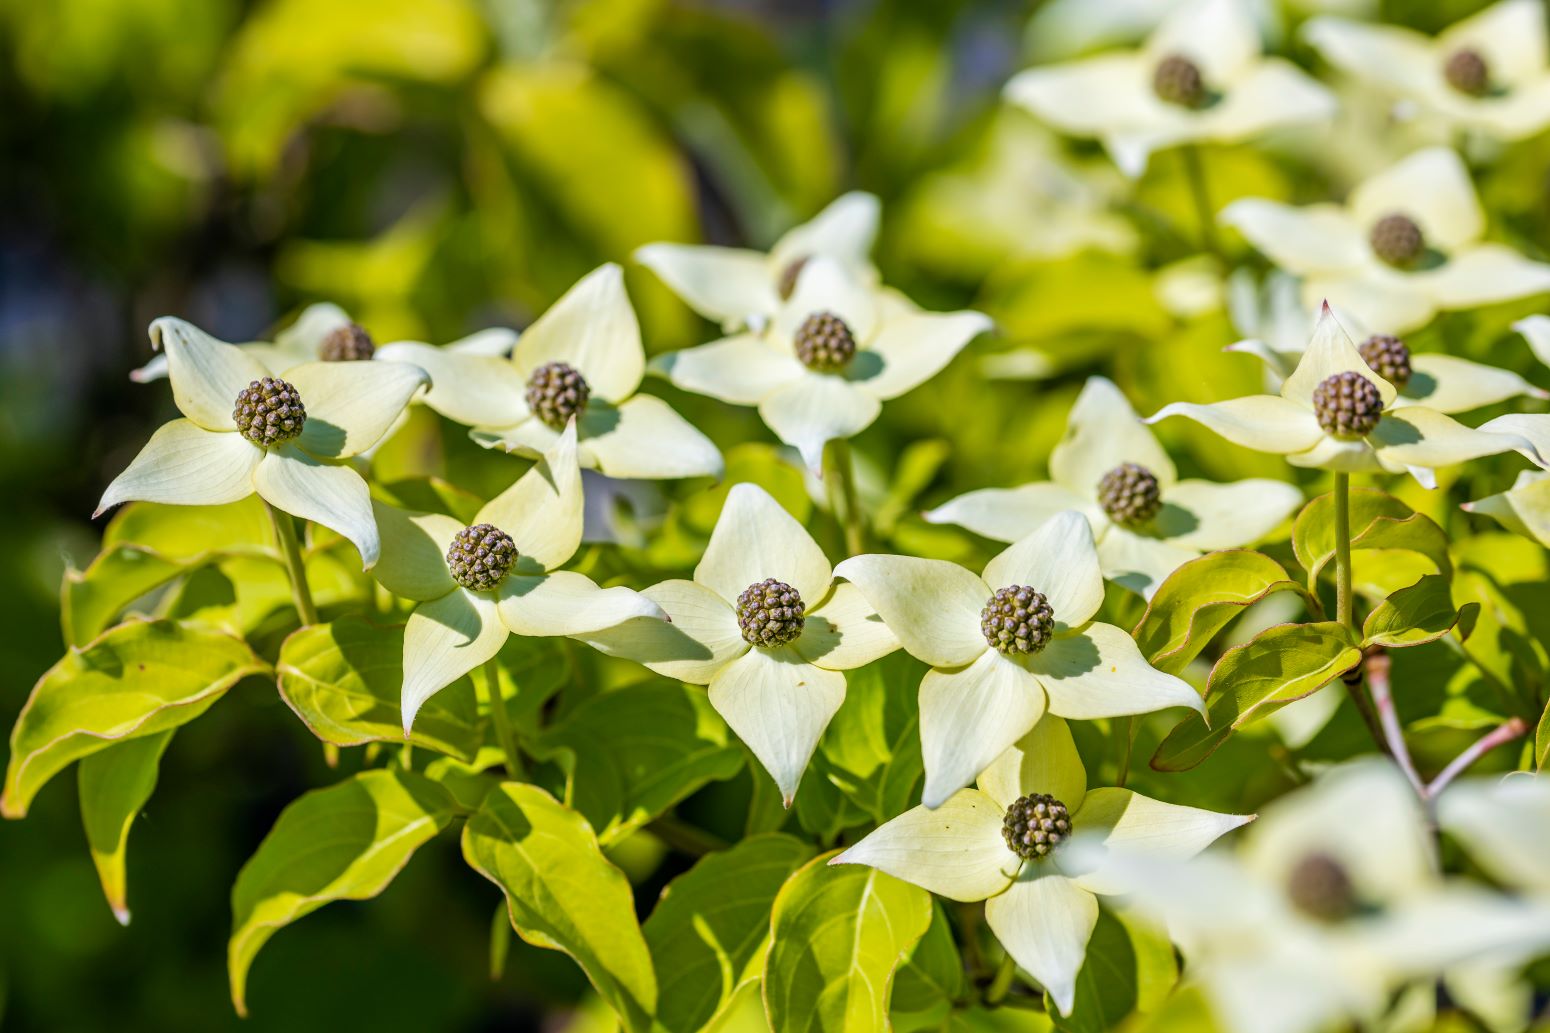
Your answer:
<point x="1347" y="404"/>
<point x="770" y="613"/>
<point x="824" y="343"/>
<point x="1129" y="494"/>
<point x="1320" y="888"/>
<point x="1397" y="240"/>
<point x="1388" y="357"/>
<point x="555" y="392"/>
<point x="1177" y="80"/>
<point x="789" y="277"/>
<point x="1035" y="825"/>
<point x="1467" y="72"/>
<point x="269" y="411"/>
<point x="348" y="343"/>
<point x="1017" y="620"/>
<point x="481" y="556"/>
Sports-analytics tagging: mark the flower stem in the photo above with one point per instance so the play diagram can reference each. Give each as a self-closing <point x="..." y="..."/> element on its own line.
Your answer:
<point x="1195" y="170"/>
<point x="996" y="992"/>
<point x="503" y="731"/>
<point x="1377" y="666"/>
<point x="1344" y="607"/>
<point x="290" y="551"/>
<point x="1505" y="732"/>
<point x="839" y="477"/>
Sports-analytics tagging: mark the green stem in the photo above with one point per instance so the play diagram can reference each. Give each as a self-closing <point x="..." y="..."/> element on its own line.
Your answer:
<point x="503" y="730"/>
<point x="1343" y="551"/>
<point x="839" y="477"/>
<point x="996" y="992"/>
<point x="683" y="837"/>
<point x="1195" y="171"/>
<point x="1125" y="733"/>
<point x="290" y="551"/>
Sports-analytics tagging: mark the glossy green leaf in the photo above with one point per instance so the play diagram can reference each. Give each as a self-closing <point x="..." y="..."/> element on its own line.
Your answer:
<point x="934" y="974"/>
<point x="708" y="931"/>
<point x="1130" y="968"/>
<point x="113" y="785"/>
<point x="631" y="754"/>
<point x="1412" y="616"/>
<point x="838" y="935"/>
<point x="1278" y="666"/>
<point x="1199" y="599"/>
<point x="871" y="749"/>
<point x="251" y="596"/>
<point x="343" y="842"/>
<point x="342" y="679"/>
<point x="1378" y="521"/>
<point x="563" y="894"/>
<point x="139" y="678"/>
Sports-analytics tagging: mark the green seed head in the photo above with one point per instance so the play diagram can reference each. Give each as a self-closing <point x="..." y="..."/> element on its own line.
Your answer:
<point x="1035" y="825"/>
<point x="1320" y="888"/>
<point x="555" y="392"/>
<point x="824" y="343"/>
<point x="481" y="556"/>
<point x="269" y="412"/>
<point x="1388" y="357"/>
<point x="789" y="277"/>
<point x="1177" y="80"/>
<point x="1467" y="72"/>
<point x="1017" y="620"/>
<point x="348" y="343"/>
<point x="1348" y="405"/>
<point x="770" y="613"/>
<point x="1397" y="240"/>
<point x="1129" y="495"/>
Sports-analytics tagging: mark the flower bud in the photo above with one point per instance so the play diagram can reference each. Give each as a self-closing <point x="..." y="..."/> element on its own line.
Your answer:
<point x="824" y="343"/>
<point x="269" y="412"/>
<point x="348" y="343"/>
<point x="1320" y="888"/>
<point x="770" y="613"/>
<point x="1017" y="620"/>
<point x="1177" y="80"/>
<point x="481" y="556"/>
<point x="1397" y="240"/>
<point x="555" y="392"/>
<point x="1466" y="71"/>
<point x="1347" y="405"/>
<point x="1388" y="357"/>
<point x="1035" y="825"/>
<point x="1129" y="495"/>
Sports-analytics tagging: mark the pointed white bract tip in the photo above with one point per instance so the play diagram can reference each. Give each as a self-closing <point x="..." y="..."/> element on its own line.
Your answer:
<point x="1424" y="477"/>
<point x="931" y="798"/>
<point x="99" y="511"/>
<point x="139" y="376"/>
<point x="932" y="516"/>
<point x="843" y="857"/>
<point x="1468" y="507"/>
<point x="121" y="914"/>
<point x="1324" y="309"/>
<point x="786" y="800"/>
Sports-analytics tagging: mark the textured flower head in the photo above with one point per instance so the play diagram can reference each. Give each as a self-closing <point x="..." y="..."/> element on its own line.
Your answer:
<point x="1406" y="244"/>
<point x="245" y="431"/>
<point x="1009" y="645"/>
<point x="1489" y="72"/>
<point x="765" y="626"/>
<point x="1200" y="76"/>
<point x="1146" y="522"/>
<point x="834" y="352"/>
<point x="737" y="287"/>
<point x="1335" y="413"/>
<point x="499" y="576"/>
<point x="1005" y="843"/>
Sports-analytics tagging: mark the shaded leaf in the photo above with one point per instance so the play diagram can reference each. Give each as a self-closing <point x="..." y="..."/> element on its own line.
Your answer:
<point x="871" y="749"/>
<point x="1412" y="616"/>
<point x="113" y="785"/>
<point x="1378" y="521"/>
<point x="934" y="974"/>
<point x="1130" y="967"/>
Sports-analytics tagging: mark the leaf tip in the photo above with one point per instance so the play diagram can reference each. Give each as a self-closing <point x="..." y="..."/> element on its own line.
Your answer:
<point x="120" y="913"/>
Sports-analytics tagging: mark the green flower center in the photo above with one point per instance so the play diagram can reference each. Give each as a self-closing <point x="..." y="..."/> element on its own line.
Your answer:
<point x="348" y="343"/>
<point x="1035" y="825"/>
<point x="1466" y="71"/>
<point x="1388" y="357"/>
<point x="1129" y="494"/>
<point x="1017" y="619"/>
<point x="1177" y="80"/>
<point x="1320" y="888"/>
<point x="269" y="412"/>
<point x="789" y="277"/>
<point x="1347" y="405"/>
<point x="555" y="392"/>
<point x="824" y="343"/>
<point x="770" y="613"/>
<point x="1397" y="240"/>
<point x="481" y="556"/>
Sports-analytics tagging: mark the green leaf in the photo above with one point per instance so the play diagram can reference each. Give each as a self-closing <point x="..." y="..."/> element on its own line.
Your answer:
<point x="563" y="894"/>
<point x="114" y="784"/>
<point x="1542" y="741"/>
<point x="1412" y="616"/>
<point x="342" y="679"/>
<point x="838" y="934"/>
<point x="934" y="972"/>
<point x="1378" y="521"/>
<point x="871" y="749"/>
<point x="708" y="931"/>
<point x="139" y="678"/>
<point x="1278" y="666"/>
<point x="631" y="754"/>
<point x="1199" y="598"/>
<point x="1130" y="967"/>
<point x="252" y="596"/>
<point x="343" y="842"/>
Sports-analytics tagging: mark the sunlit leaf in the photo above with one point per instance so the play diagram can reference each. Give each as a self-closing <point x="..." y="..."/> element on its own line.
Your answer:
<point x="934" y="974"/>
<point x="1378" y="521"/>
<point x="1130" y="967"/>
<point x="1412" y="616"/>
<point x="113" y="785"/>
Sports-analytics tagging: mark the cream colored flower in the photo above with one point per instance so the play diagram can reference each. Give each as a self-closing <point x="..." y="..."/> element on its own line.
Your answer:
<point x="737" y="287"/>
<point x="1489" y="72"/>
<point x="205" y="459"/>
<point x="1406" y="245"/>
<point x="834" y="352"/>
<point x="1043" y="907"/>
<point x="1008" y="646"/>
<point x="1200" y="77"/>
<point x="1110" y="468"/>
<point x="765" y="626"/>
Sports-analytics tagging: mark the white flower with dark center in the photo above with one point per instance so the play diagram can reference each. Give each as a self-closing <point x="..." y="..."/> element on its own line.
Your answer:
<point x="1335" y="413"/>
<point x="245" y="431"/>
<point x="766" y="627"/>
<point x="1008" y="646"/>
<point x="1406" y="245"/>
<point x="1489" y="72"/>
<point x="1109" y="467"/>
<point x="834" y="352"/>
<point x="1005" y="843"/>
<point x="1200" y="77"/>
<point x="737" y="287"/>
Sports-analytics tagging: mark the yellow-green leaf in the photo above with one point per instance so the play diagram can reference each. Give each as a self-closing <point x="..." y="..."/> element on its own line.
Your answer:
<point x="1378" y="521"/>
<point x="114" y="784"/>
<point x="1412" y="616"/>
